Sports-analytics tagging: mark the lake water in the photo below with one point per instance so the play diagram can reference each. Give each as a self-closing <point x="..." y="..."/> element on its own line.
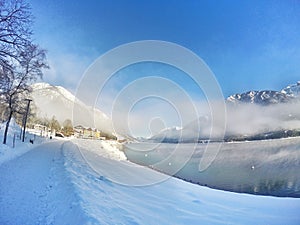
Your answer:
<point x="270" y="167"/>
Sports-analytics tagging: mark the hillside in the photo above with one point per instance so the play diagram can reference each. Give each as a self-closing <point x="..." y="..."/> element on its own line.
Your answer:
<point x="59" y="102"/>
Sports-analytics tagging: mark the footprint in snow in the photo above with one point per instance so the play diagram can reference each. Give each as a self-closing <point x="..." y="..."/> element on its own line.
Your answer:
<point x="103" y="178"/>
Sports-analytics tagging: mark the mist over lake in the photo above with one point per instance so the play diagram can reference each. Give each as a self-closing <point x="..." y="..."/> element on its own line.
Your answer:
<point x="269" y="167"/>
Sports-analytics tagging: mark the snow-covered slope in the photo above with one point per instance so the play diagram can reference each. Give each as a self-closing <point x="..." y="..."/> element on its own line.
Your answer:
<point x="59" y="102"/>
<point x="55" y="91"/>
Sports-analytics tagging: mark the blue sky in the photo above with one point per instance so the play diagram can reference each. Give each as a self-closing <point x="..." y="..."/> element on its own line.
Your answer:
<point x="249" y="45"/>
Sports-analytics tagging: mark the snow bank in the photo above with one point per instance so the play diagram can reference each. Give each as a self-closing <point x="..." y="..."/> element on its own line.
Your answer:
<point x="13" y="128"/>
<point x="7" y="152"/>
<point x="107" y="149"/>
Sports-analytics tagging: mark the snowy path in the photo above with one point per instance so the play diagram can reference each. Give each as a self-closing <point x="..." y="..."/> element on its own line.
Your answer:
<point x="54" y="184"/>
<point x="34" y="189"/>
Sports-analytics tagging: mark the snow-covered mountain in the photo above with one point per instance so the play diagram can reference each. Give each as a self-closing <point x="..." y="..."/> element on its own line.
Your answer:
<point x="292" y="90"/>
<point x="267" y="97"/>
<point x="59" y="102"/>
<point x="259" y="97"/>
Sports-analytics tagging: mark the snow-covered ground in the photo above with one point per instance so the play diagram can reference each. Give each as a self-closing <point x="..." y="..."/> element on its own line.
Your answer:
<point x="54" y="183"/>
<point x="15" y="147"/>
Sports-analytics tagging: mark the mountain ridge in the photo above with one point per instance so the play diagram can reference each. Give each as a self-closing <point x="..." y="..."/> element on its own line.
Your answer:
<point x="267" y="97"/>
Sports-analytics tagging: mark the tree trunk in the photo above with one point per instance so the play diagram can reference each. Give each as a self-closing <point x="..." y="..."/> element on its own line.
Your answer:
<point x="7" y="126"/>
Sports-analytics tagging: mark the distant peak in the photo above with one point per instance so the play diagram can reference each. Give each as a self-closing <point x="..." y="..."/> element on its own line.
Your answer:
<point x="267" y="97"/>
<point x="292" y="90"/>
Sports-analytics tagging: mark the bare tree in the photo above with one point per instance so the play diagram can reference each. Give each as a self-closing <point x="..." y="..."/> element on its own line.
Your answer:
<point x="21" y="61"/>
<point x="54" y="124"/>
<point x="15" y="29"/>
<point x="17" y="81"/>
<point x="68" y="129"/>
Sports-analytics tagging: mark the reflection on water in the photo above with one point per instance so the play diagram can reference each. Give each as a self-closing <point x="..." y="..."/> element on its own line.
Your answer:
<point x="270" y="167"/>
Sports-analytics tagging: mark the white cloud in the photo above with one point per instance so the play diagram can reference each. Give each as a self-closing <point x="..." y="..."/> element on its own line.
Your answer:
<point x="66" y="70"/>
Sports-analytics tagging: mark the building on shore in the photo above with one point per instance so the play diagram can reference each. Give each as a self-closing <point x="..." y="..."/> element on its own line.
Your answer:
<point x="87" y="132"/>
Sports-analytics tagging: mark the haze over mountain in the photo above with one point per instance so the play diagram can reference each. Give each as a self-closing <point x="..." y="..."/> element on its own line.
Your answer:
<point x="251" y="115"/>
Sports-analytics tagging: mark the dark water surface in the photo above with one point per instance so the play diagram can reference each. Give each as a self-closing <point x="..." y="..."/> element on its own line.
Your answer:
<point x="270" y="167"/>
